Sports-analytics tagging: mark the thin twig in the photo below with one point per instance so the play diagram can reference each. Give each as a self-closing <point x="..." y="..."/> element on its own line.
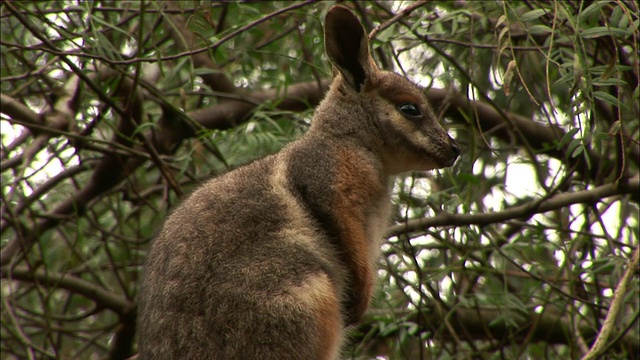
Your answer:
<point x="601" y="341"/>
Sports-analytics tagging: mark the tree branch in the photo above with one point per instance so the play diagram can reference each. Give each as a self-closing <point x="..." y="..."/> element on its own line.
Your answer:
<point x="103" y="298"/>
<point x="17" y="110"/>
<point x="609" y="322"/>
<point x="518" y="212"/>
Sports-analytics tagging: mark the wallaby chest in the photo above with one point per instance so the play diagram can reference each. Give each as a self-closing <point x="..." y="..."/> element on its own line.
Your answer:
<point x="343" y="190"/>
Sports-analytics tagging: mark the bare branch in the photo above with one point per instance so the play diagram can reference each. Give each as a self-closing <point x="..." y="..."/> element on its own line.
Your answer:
<point x="103" y="298"/>
<point x="18" y="110"/>
<point x="518" y="212"/>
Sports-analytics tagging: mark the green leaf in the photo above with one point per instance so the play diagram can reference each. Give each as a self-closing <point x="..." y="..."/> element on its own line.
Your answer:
<point x="603" y="266"/>
<point x="206" y="71"/>
<point x="387" y="329"/>
<point x="575" y="143"/>
<point x="500" y="20"/>
<point x="594" y="8"/>
<point x="600" y="31"/>
<point x="616" y="15"/>
<point x="624" y="24"/>
<point x="579" y="149"/>
<point x="587" y="158"/>
<point x="502" y="33"/>
<point x="142" y="127"/>
<point x="412" y="328"/>
<point x="609" y="82"/>
<point x="532" y="15"/>
<point x="469" y="178"/>
<point x="567" y="137"/>
<point x="540" y="30"/>
<point x="606" y="97"/>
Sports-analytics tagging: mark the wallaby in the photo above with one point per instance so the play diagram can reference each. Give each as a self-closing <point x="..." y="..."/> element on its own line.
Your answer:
<point x="275" y="259"/>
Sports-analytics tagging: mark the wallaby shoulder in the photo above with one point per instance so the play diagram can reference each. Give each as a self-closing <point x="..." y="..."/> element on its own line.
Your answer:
<point x="239" y="243"/>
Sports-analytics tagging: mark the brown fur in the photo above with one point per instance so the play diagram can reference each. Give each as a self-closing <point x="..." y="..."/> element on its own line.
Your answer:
<point x="274" y="259"/>
<point x="351" y="205"/>
<point x="326" y="307"/>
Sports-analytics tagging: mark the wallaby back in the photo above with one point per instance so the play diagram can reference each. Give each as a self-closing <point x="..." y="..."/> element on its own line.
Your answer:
<point x="274" y="259"/>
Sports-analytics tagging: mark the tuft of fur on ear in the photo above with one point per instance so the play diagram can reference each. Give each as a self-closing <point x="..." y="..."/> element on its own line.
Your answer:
<point x="347" y="46"/>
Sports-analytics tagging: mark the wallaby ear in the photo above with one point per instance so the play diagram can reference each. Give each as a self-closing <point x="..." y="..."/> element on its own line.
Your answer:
<point x="347" y="46"/>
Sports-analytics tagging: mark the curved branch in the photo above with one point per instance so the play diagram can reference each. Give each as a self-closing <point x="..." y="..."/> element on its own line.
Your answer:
<point x="103" y="298"/>
<point x="18" y="110"/>
<point x="518" y="212"/>
<point x="397" y="17"/>
<point x="298" y="97"/>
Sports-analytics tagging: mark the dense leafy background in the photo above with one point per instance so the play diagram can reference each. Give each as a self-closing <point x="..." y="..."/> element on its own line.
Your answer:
<point x="114" y="110"/>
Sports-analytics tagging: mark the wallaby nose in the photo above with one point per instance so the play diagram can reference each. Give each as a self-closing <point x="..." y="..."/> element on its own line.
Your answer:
<point x="455" y="148"/>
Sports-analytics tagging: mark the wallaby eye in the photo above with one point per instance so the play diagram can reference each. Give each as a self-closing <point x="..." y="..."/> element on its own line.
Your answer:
<point x="410" y="110"/>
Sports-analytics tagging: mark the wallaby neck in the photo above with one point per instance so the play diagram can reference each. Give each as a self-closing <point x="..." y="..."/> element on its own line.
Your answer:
<point x="347" y="120"/>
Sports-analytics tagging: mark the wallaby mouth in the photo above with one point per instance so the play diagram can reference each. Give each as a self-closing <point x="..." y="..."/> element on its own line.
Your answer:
<point x="435" y="154"/>
<point x="455" y="150"/>
<point x="452" y="154"/>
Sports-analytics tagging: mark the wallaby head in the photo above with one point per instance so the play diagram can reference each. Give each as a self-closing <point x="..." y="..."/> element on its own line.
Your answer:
<point x="385" y="110"/>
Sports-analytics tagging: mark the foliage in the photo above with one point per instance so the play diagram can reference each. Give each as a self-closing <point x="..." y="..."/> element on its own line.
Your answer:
<point x="114" y="110"/>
